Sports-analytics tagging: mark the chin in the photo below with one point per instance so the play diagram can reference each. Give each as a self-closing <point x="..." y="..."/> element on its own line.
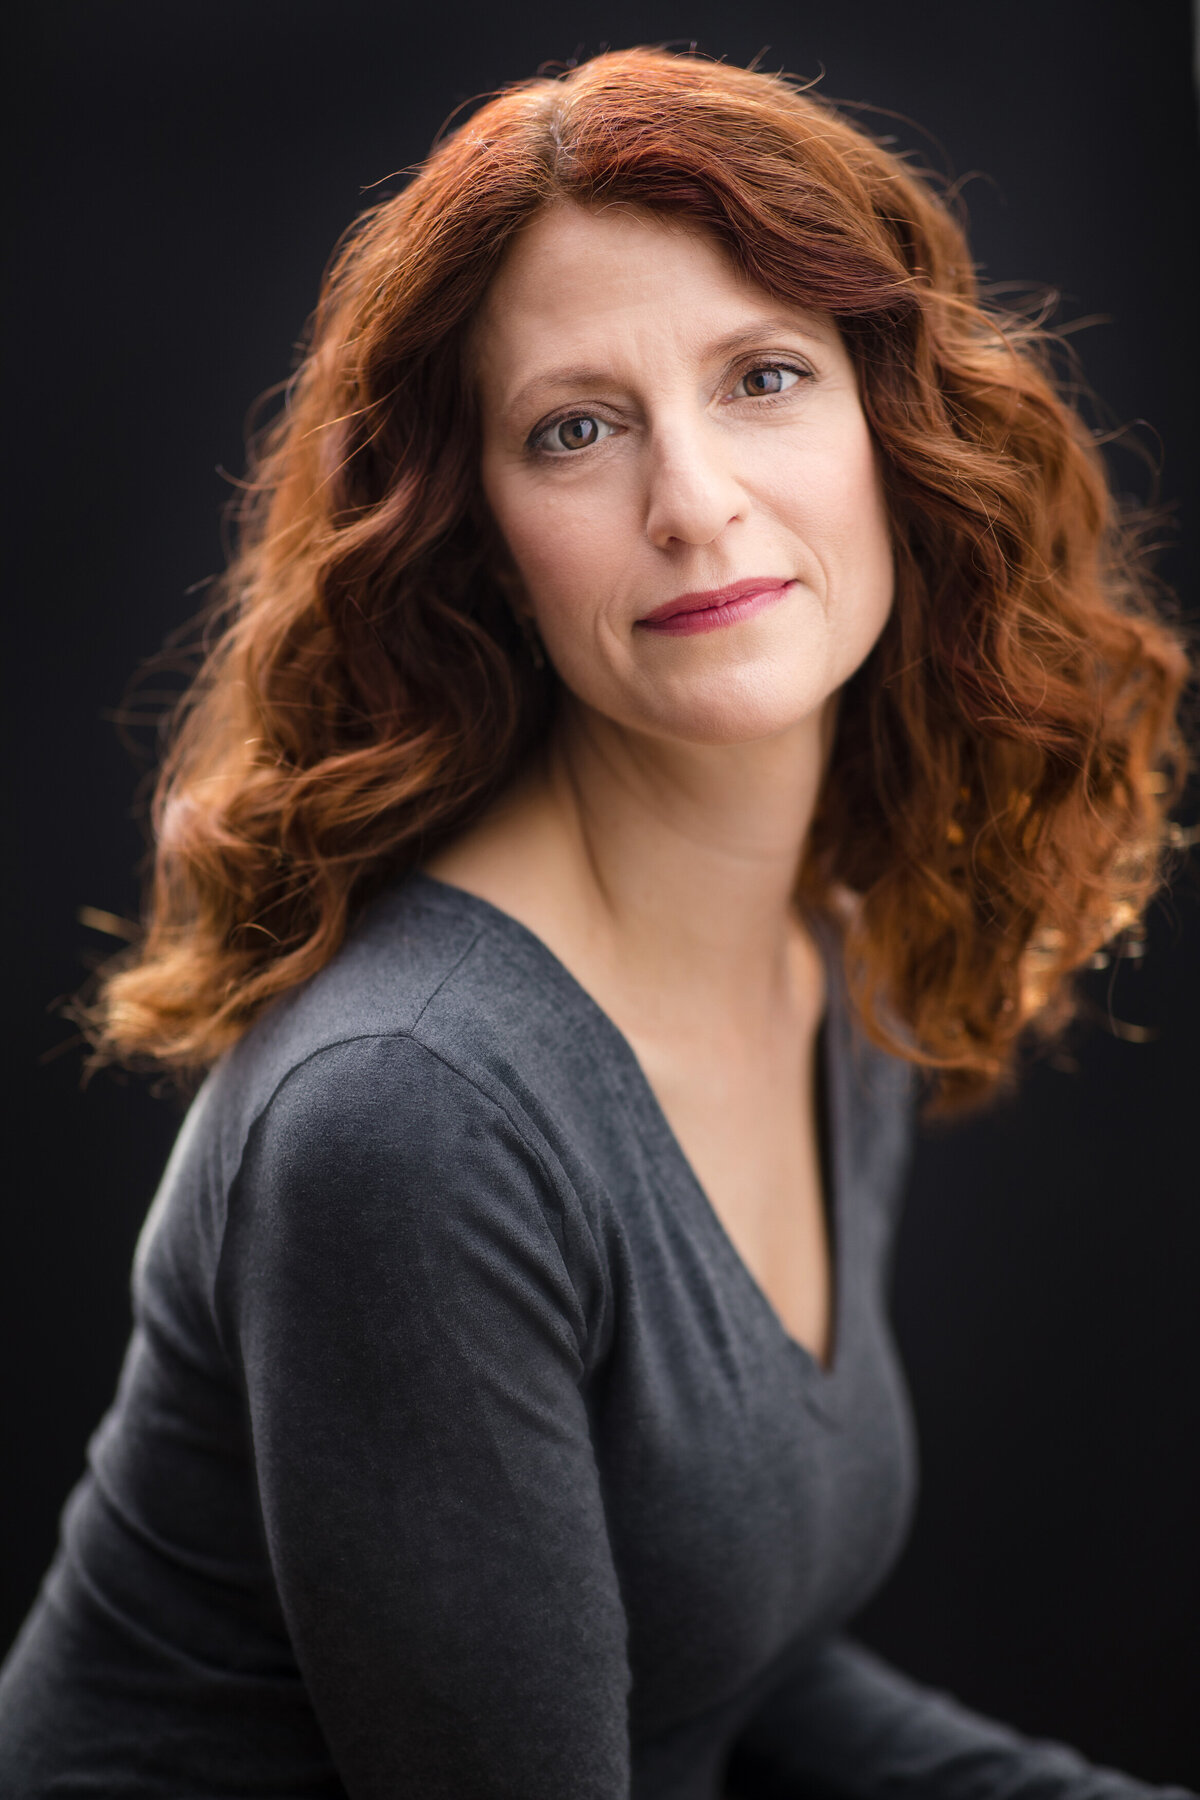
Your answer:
<point x="737" y="715"/>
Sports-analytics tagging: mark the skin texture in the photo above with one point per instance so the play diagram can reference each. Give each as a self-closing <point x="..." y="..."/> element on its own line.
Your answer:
<point x="654" y="848"/>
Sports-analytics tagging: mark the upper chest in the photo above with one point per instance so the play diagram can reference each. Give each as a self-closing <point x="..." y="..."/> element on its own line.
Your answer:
<point x="748" y="1120"/>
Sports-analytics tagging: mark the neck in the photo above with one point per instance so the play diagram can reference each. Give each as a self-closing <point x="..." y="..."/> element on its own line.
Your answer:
<point x="670" y="866"/>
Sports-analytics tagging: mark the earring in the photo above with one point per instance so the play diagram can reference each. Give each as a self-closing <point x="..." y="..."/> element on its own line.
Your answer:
<point x="533" y="641"/>
<point x="510" y="586"/>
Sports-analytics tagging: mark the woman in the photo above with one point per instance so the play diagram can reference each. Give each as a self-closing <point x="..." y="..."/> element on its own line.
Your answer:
<point x="681" y="676"/>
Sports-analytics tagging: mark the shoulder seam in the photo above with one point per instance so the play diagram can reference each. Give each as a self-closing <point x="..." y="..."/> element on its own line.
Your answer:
<point x="399" y="1034"/>
<point x="455" y="966"/>
<point x="357" y="1037"/>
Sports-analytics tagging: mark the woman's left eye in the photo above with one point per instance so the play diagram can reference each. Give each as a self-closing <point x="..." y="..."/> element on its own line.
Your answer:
<point x="763" y="382"/>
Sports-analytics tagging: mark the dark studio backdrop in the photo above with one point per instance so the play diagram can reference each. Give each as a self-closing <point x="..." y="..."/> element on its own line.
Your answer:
<point x="184" y="170"/>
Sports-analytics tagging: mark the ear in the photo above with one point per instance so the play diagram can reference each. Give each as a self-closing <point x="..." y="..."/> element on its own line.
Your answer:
<point x="497" y="558"/>
<point x="507" y="577"/>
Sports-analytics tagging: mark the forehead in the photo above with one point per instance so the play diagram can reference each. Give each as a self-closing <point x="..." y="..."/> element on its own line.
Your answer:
<point x="582" y="283"/>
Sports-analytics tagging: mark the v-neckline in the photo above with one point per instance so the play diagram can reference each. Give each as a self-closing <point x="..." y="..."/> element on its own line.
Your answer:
<point x="827" y="1060"/>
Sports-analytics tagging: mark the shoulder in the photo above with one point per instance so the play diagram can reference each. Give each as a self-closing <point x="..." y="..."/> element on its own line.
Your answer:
<point x="421" y="1090"/>
<point x="385" y="1123"/>
<point x="436" y="1005"/>
<point x="411" y="1012"/>
<point x="379" y="1178"/>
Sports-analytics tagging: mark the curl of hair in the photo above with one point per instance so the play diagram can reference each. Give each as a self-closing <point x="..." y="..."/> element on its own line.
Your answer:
<point x="995" y="808"/>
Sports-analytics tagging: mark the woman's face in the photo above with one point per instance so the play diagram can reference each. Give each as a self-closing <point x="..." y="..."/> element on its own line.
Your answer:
<point x="655" y="429"/>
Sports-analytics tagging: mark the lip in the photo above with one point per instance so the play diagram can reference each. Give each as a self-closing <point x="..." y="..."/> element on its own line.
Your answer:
<point x="714" y="607"/>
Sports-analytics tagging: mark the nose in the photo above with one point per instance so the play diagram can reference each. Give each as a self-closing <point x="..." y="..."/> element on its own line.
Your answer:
<point x="692" y="492"/>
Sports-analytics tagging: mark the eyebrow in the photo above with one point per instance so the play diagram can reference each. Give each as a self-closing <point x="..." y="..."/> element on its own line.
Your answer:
<point x="585" y="375"/>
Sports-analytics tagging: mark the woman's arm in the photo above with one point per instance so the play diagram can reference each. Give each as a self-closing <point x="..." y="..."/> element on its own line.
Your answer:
<point x="411" y="1345"/>
<point x="844" y="1725"/>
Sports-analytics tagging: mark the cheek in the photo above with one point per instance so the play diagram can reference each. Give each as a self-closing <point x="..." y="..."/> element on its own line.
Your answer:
<point x="553" y="536"/>
<point x="833" y="480"/>
<point x="831" y="495"/>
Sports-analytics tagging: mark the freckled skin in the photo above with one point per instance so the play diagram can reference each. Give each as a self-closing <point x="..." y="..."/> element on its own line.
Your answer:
<point x="694" y="476"/>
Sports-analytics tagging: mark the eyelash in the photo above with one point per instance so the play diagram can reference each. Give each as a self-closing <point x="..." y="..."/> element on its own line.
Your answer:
<point x="535" y="445"/>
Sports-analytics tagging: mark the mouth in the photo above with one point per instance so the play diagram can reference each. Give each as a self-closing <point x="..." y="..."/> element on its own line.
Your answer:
<point x="708" y="610"/>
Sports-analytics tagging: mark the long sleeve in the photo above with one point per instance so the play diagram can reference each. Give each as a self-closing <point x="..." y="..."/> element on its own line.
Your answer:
<point x="410" y="1340"/>
<point x="844" y="1725"/>
<point x="457" y="1453"/>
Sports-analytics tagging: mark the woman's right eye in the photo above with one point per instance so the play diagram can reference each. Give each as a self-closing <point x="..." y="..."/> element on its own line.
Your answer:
<point x="579" y="432"/>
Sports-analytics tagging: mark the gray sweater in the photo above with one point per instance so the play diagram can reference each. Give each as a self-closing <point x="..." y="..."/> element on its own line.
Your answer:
<point x="458" y="1454"/>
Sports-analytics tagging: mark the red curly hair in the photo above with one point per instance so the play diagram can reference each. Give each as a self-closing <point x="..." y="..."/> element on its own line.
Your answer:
<point x="1005" y="758"/>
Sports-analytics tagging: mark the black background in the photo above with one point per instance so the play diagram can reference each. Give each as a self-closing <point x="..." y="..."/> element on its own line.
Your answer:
<point x="184" y="170"/>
